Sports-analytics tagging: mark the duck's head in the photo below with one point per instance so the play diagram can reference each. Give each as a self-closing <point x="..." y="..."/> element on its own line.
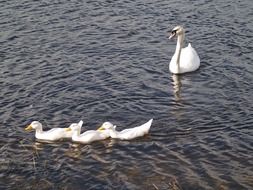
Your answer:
<point x="34" y="125"/>
<point x="177" y="31"/>
<point x="106" y="126"/>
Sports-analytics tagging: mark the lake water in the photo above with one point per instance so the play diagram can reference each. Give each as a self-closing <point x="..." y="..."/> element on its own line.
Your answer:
<point x="62" y="61"/>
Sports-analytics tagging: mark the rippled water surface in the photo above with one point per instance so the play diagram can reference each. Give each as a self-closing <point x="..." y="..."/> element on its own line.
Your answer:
<point x="62" y="61"/>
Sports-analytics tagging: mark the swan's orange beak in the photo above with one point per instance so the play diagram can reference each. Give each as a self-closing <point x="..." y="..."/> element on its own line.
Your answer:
<point x="172" y="34"/>
<point x="28" y="128"/>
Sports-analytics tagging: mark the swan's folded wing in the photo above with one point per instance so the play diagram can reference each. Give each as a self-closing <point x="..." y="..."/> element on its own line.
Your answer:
<point x="189" y="59"/>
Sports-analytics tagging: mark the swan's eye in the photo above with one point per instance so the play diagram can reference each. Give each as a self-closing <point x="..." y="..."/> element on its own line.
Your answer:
<point x="173" y="31"/>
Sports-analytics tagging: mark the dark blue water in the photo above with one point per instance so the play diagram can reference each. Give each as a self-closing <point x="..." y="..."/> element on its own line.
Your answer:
<point x="62" y="61"/>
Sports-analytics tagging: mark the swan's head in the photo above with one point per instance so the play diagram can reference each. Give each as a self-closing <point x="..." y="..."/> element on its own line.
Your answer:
<point x="106" y="126"/>
<point x="34" y="125"/>
<point x="177" y="31"/>
<point x="75" y="126"/>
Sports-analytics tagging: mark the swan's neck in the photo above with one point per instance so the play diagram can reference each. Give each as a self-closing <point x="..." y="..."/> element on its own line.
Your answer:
<point x="180" y="40"/>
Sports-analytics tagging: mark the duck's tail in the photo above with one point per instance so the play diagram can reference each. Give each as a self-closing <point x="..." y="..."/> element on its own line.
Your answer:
<point x="147" y="125"/>
<point x="80" y="123"/>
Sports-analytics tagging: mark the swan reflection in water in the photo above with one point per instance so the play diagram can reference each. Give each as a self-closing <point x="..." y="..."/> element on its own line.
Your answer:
<point x="176" y="81"/>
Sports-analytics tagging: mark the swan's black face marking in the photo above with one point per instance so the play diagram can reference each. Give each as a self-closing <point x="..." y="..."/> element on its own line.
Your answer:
<point x="173" y="33"/>
<point x="178" y="30"/>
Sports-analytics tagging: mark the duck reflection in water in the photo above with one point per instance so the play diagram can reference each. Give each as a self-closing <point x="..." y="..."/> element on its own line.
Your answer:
<point x="176" y="81"/>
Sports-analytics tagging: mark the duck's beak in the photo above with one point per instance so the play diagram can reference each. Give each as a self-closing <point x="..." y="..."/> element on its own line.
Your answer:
<point x="68" y="129"/>
<point x="28" y="128"/>
<point x="101" y="129"/>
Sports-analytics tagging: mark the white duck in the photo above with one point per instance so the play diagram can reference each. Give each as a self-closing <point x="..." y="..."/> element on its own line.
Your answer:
<point x="184" y="59"/>
<point x="88" y="136"/>
<point x="51" y="135"/>
<point x="126" y="134"/>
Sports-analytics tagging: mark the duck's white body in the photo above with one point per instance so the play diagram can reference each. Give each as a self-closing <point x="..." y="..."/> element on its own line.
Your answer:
<point x="184" y="59"/>
<point x="88" y="136"/>
<point x="50" y="135"/>
<point x="127" y="134"/>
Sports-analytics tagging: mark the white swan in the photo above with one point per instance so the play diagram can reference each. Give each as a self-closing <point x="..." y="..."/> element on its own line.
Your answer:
<point x="51" y="135"/>
<point x="88" y="136"/>
<point x="184" y="59"/>
<point x="127" y="134"/>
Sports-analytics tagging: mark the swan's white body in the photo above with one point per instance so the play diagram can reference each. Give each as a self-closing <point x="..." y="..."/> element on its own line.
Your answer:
<point x="88" y="136"/>
<point x="184" y="59"/>
<point x="127" y="134"/>
<point x="50" y="135"/>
